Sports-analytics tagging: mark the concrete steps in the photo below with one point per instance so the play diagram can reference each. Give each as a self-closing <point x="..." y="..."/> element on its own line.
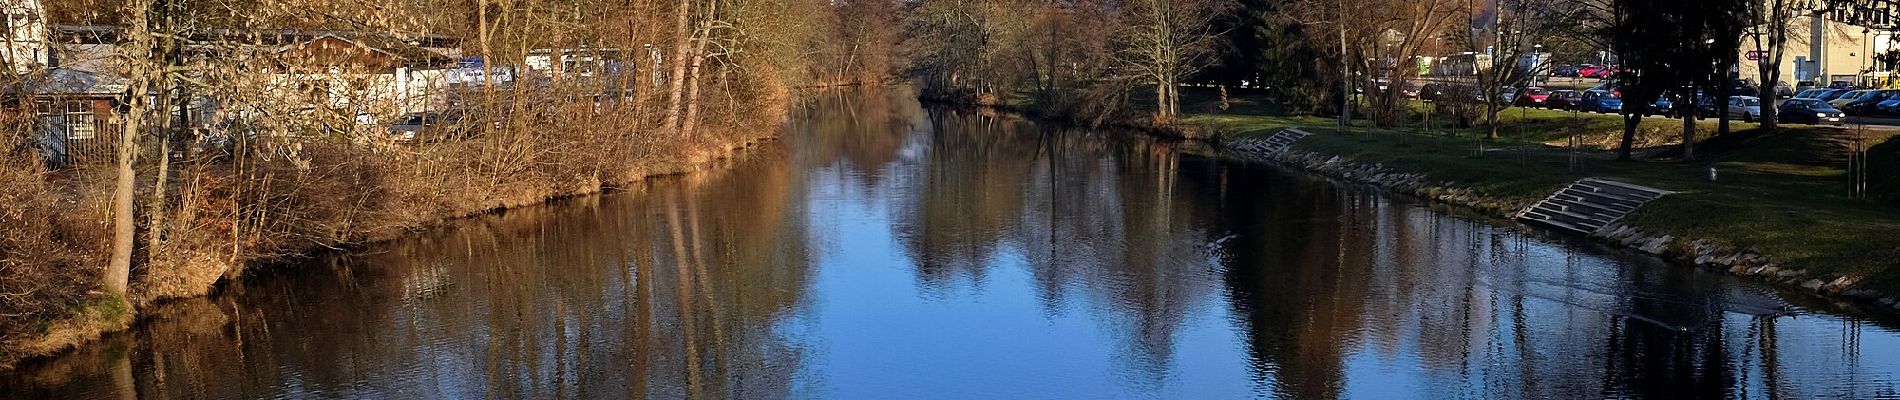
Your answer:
<point x="1589" y="204"/>
<point x="1272" y="144"/>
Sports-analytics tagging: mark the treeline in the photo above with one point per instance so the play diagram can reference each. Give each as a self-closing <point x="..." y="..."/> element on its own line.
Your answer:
<point x="1075" y="59"/>
<point x="233" y="131"/>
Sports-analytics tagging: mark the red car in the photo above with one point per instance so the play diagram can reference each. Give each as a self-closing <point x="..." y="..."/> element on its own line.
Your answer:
<point x="1593" y="71"/>
<point x="1533" y="96"/>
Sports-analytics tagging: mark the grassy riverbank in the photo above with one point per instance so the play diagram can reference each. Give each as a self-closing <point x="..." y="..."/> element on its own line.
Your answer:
<point x="1784" y="195"/>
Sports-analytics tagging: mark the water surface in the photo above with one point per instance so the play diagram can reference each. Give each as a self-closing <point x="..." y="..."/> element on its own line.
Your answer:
<point x="887" y="250"/>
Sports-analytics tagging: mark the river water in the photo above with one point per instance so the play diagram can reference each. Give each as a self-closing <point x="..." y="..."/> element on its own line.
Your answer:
<point x="886" y="250"/>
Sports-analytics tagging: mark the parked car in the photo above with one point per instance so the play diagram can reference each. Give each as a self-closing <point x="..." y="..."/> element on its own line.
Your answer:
<point x="1707" y="107"/>
<point x="1564" y="100"/>
<point x="1591" y="71"/>
<point x="424" y="126"/>
<point x="1842" y="85"/>
<point x="1602" y="102"/>
<point x="1745" y="108"/>
<point x="1889" y="107"/>
<point x="1826" y="94"/>
<point x="1808" y="93"/>
<point x="1783" y="91"/>
<point x="1534" y="96"/>
<point x="1850" y="96"/>
<point x="1568" y="71"/>
<point x="1664" y="105"/>
<point x="1432" y="91"/>
<point x="1866" y="102"/>
<point x="1809" y="111"/>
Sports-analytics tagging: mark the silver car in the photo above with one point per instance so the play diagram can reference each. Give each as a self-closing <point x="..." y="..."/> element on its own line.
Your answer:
<point x="410" y="126"/>
<point x="1747" y="108"/>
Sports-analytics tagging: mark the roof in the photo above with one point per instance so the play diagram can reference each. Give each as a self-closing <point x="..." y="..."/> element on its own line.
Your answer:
<point x="67" y="81"/>
<point x="399" y="51"/>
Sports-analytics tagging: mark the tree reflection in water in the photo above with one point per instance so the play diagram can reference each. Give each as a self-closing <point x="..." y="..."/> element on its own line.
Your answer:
<point x="885" y="249"/>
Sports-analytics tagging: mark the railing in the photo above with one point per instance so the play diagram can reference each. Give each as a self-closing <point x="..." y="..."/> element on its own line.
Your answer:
<point x="76" y="139"/>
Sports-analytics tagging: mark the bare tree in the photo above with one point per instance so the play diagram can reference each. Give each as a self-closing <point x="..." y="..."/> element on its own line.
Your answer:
<point x="1768" y="32"/>
<point x="1166" y="41"/>
<point x="1506" y="31"/>
<point x="139" y="67"/>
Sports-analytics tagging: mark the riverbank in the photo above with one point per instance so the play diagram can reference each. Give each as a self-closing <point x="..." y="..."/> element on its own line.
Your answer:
<point x="1778" y="211"/>
<point x="405" y="204"/>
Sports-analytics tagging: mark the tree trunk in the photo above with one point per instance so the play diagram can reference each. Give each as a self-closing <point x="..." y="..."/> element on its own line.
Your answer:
<point x="1491" y="116"/>
<point x="1161" y="101"/>
<point x="691" y="120"/>
<point x="1688" y="132"/>
<point x="1721" y="122"/>
<point x="1630" y="120"/>
<point x="1771" y="70"/>
<point x="682" y="40"/>
<point x="1345" y="77"/>
<point x="138" y="52"/>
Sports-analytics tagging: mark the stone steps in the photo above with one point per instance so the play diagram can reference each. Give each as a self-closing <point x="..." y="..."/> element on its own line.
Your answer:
<point x="1588" y="205"/>
<point x="1272" y="144"/>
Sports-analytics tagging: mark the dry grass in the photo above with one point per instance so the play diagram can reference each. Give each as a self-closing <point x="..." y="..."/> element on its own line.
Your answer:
<point x="284" y="198"/>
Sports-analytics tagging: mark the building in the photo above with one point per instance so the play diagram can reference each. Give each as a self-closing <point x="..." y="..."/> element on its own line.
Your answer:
<point x="25" y="48"/>
<point x="1839" y="46"/>
<point x="368" y="78"/>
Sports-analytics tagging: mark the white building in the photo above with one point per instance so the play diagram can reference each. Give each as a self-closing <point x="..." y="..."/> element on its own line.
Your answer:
<point x="1821" y="48"/>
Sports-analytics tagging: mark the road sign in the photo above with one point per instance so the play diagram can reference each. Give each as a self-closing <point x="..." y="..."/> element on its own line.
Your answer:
<point x="1756" y="55"/>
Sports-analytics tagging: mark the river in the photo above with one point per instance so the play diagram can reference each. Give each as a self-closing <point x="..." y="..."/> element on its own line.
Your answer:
<point x="883" y="249"/>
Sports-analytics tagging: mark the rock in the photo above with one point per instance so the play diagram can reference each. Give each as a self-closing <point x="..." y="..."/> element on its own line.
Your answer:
<point x="1704" y="260"/>
<point x="1657" y="246"/>
<point x="1812" y="285"/>
<point x="1761" y="270"/>
<point x="1842" y="282"/>
<point x="1738" y="270"/>
<point x="1788" y="273"/>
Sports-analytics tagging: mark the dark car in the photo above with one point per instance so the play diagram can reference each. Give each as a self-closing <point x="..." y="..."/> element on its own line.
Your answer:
<point x="1889" y="107"/>
<point x="1809" y="111"/>
<point x="1865" y="103"/>
<point x="1563" y="100"/>
<point x="426" y="127"/>
<point x="1432" y="91"/>
<point x="1809" y="93"/>
<point x="1830" y="94"/>
<point x="1566" y="71"/>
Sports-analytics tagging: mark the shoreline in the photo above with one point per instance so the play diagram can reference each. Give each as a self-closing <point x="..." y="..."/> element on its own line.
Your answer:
<point x="1744" y="263"/>
<point x="89" y="325"/>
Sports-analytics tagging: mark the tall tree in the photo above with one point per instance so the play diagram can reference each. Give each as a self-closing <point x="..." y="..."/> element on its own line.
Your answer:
<point x="1769" y="23"/>
<point x="1508" y="31"/>
<point x="1166" y="41"/>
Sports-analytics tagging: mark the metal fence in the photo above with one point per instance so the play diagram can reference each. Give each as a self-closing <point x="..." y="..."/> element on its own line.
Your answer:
<point x="76" y="138"/>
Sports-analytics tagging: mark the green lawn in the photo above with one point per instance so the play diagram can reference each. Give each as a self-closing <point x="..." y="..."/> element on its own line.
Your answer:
<point x="1785" y="194"/>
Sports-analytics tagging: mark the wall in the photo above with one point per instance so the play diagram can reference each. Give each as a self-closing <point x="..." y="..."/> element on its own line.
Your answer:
<point x="24" y="46"/>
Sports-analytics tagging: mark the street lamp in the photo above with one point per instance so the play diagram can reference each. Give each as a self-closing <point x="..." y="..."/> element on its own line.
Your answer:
<point x="1537" y="63"/>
